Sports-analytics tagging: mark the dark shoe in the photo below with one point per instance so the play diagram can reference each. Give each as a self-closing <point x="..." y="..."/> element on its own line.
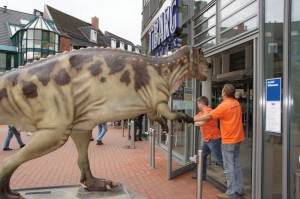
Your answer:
<point x="140" y="139"/>
<point x="22" y="145"/>
<point x="7" y="149"/>
<point x="224" y="196"/>
<point x="92" y="139"/>
<point x="240" y="193"/>
<point x="99" y="143"/>
<point x="136" y="140"/>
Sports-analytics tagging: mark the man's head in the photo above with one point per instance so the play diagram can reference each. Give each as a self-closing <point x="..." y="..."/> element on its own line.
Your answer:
<point x="202" y="102"/>
<point x="228" y="91"/>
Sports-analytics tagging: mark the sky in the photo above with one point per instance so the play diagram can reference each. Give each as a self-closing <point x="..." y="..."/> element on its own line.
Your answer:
<point x="120" y="17"/>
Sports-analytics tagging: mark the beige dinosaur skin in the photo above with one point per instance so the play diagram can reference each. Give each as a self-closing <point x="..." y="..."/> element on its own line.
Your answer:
<point x="70" y="93"/>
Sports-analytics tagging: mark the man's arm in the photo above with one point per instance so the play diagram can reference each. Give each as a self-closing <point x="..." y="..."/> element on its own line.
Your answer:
<point x="203" y="118"/>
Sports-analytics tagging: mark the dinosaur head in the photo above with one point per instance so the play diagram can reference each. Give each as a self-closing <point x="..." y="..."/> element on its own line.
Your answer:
<point x="198" y="64"/>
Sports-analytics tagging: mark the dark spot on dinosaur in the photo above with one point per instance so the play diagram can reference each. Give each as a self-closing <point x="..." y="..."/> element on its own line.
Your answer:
<point x="13" y="77"/>
<point x="62" y="78"/>
<point x="43" y="72"/>
<point x="77" y="61"/>
<point x="141" y="76"/>
<point x="95" y="69"/>
<point x="125" y="78"/>
<point x="158" y="70"/>
<point x="166" y="72"/>
<point x="172" y="65"/>
<point x="102" y="79"/>
<point x="29" y="89"/>
<point x="3" y="93"/>
<point x="115" y="63"/>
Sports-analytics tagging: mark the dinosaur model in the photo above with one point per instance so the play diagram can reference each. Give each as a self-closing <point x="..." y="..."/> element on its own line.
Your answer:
<point x="68" y="94"/>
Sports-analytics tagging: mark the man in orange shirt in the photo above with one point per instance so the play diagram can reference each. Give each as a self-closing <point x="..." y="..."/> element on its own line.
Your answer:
<point x="230" y="114"/>
<point x="211" y="136"/>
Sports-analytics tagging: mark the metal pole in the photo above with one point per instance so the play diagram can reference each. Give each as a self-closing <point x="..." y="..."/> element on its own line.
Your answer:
<point x="132" y="146"/>
<point x="199" y="178"/>
<point x="123" y="127"/>
<point x="129" y="127"/>
<point x="152" y="148"/>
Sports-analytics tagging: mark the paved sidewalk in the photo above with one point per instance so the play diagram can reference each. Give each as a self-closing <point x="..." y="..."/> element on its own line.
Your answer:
<point x="111" y="161"/>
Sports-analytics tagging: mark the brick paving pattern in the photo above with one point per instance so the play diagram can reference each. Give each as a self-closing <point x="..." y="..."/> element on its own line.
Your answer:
<point x="111" y="161"/>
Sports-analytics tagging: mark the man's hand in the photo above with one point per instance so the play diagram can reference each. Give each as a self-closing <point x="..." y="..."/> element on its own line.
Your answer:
<point x="186" y="119"/>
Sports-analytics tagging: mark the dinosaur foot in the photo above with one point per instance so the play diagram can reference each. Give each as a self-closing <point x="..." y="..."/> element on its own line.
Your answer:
<point x="101" y="185"/>
<point x="7" y="193"/>
<point x="11" y="195"/>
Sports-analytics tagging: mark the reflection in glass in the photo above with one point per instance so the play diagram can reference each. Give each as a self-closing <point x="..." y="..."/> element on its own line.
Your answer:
<point x="208" y="44"/>
<point x="243" y="27"/>
<point x="224" y="2"/>
<point x="294" y="123"/>
<point x="211" y="11"/>
<point x="207" y="24"/>
<point x="233" y="7"/>
<point x="206" y="35"/>
<point x="273" y="67"/>
<point x="30" y="34"/>
<point x="239" y="16"/>
<point x="200" y="4"/>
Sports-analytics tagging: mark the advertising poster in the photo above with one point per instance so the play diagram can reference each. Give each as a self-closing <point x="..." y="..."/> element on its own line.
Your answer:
<point x="273" y="105"/>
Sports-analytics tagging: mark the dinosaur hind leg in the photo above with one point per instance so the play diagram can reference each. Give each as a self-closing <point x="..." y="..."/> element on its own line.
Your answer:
<point x="82" y="141"/>
<point x="41" y="142"/>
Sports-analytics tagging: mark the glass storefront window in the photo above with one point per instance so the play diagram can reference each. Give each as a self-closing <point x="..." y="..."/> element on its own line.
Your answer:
<point x="211" y="11"/>
<point x="233" y="7"/>
<point x="224" y="2"/>
<point x="273" y="68"/>
<point x="208" y="44"/>
<point x="206" y="35"/>
<point x="200" y="4"/>
<point x="294" y="122"/>
<point x="207" y="24"/>
<point x="239" y="16"/>
<point x="243" y="27"/>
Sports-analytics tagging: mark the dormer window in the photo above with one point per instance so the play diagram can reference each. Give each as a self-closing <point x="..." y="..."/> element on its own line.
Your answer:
<point x="94" y="35"/>
<point x="113" y="43"/>
<point x="137" y="50"/>
<point x="122" y="45"/>
<point x="129" y="47"/>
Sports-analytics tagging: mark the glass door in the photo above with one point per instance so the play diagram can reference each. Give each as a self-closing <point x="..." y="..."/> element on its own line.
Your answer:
<point x="180" y="139"/>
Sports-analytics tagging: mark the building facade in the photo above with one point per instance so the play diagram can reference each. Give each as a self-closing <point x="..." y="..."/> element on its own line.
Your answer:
<point x="254" y="45"/>
<point x="25" y="37"/>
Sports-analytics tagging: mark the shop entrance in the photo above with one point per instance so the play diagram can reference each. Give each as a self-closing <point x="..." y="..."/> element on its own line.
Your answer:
<point x="244" y="94"/>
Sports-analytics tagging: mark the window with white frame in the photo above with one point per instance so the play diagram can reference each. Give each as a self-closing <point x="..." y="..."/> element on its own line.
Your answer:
<point x="122" y="45"/>
<point x="129" y="47"/>
<point x="113" y="43"/>
<point x="146" y="2"/>
<point x="94" y="35"/>
<point x="137" y="50"/>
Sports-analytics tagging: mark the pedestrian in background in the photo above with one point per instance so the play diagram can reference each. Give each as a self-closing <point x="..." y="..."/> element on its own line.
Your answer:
<point x="12" y="131"/>
<point x="138" y="123"/>
<point x="229" y="112"/>
<point x="102" y="129"/>
<point x="211" y="136"/>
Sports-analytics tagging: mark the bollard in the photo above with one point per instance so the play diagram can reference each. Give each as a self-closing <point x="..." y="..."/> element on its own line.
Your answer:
<point x="129" y="128"/>
<point x="297" y="184"/>
<point x="199" y="176"/>
<point x="123" y="128"/>
<point x="132" y="146"/>
<point x="152" y="148"/>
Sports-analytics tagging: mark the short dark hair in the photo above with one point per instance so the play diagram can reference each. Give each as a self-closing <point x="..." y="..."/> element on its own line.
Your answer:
<point x="203" y="99"/>
<point x="229" y="90"/>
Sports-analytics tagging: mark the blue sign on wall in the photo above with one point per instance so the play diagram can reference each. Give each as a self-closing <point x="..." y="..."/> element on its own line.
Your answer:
<point x="273" y="87"/>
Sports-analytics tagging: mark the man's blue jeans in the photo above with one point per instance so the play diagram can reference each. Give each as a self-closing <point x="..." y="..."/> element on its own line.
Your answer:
<point x="10" y="133"/>
<point x="232" y="169"/>
<point x="214" y="147"/>
<point x="102" y="129"/>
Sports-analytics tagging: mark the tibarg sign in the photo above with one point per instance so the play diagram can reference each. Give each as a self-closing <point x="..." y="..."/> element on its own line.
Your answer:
<point x="164" y="26"/>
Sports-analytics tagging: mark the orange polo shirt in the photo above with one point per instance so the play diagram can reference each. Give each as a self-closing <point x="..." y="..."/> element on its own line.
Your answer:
<point x="210" y="129"/>
<point x="230" y="114"/>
